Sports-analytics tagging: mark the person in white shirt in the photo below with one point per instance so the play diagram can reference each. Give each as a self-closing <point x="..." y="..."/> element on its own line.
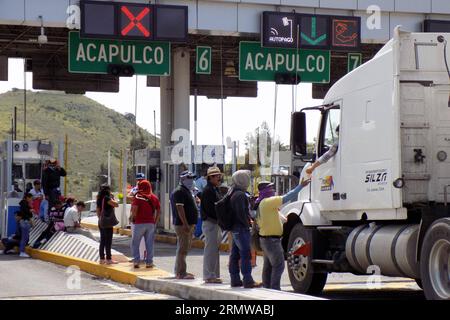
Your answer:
<point x="72" y="217"/>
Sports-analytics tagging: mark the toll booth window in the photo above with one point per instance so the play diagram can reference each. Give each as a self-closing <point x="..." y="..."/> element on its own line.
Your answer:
<point x="330" y="135"/>
<point x="33" y="171"/>
<point x="17" y="172"/>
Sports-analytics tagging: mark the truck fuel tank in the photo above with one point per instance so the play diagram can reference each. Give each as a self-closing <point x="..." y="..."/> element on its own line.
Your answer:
<point x="391" y="248"/>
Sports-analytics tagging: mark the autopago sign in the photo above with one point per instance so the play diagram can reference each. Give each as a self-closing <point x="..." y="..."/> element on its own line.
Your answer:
<point x="261" y="64"/>
<point x="94" y="55"/>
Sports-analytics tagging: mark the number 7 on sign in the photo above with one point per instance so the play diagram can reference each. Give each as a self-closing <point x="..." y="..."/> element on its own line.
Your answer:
<point x="203" y="60"/>
<point x="354" y="60"/>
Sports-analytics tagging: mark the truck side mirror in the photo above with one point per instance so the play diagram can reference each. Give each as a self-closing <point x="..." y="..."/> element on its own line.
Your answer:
<point x="298" y="133"/>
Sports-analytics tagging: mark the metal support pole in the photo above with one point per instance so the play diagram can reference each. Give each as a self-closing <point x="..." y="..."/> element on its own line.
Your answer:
<point x="234" y="156"/>
<point x="124" y="189"/>
<point x="61" y="158"/>
<point x="66" y="148"/>
<point x="109" y="167"/>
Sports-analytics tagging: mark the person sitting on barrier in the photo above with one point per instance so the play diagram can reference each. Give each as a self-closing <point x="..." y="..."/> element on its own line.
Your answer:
<point x="25" y="215"/>
<point x="72" y="218"/>
<point x="13" y="240"/>
<point x="56" y="223"/>
<point x="145" y="212"/>
<point x="270" y="224"/>
<point x="43" y="210"/>
<point x="38" y="195"/>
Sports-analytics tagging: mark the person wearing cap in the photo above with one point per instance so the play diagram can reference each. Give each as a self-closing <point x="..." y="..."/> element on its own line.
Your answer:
<point x="185" y="218"/>
<point x="271" y="230"/>
<point x="326" y="156"/>
<point x="210" y="228"/>
<point x="38" y="196"/>
<point x="134" y="190"/>
<point x="51" y="181"/>
<point x="240" y="253"/>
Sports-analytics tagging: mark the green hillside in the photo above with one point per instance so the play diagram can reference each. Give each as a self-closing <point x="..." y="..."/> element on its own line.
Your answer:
<point x="91" y="127"/>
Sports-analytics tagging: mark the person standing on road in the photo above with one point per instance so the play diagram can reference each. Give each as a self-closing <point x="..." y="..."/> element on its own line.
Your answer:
<point x="211" y="230"/>
<point x="38" y="195"/>
<point x="139" y="177"/>
<point x="185" y="218"/>
<point x="241" y="247"/>
<point x="145" y="212"/>
<point x="51" y="181"/>
<point x="270" y="226"/>
<point x="24" y="216"/>
<point x="105" y="206"/>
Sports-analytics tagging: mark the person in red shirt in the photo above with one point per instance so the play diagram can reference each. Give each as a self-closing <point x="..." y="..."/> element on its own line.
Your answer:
<point x="145" y="212"/>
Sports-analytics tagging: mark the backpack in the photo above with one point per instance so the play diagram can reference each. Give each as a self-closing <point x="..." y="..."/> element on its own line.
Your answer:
<point x="224" y="213"/>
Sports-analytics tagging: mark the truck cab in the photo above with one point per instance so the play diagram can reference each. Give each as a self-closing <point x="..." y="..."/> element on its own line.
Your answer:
<point x="380" y="198"/>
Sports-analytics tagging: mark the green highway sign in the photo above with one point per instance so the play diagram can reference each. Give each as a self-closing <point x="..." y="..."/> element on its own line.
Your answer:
<point x="94" y="55"/>
<point x="354" y="60"/>
<point x="203" y="60"/>
<point x="261" y="64"/>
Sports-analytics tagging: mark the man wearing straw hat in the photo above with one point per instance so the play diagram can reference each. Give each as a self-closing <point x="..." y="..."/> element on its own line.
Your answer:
<point x="210" y="228"/>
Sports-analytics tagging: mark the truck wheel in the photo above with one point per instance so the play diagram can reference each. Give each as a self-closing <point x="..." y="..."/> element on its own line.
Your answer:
<point x="300" y="269"/>
<point x="435" y="261"/>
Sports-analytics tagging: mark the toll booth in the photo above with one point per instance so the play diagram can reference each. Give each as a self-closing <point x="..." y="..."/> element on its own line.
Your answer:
<point x="21" y="163"/>
<point x="200" y="155"/>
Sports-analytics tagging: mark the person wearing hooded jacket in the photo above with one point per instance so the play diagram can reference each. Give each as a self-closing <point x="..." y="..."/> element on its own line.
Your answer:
<point x="145" y="212"/>
<point x="240" y="253"/>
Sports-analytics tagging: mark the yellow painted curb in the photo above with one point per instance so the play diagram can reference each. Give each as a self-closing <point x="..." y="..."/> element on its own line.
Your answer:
<point x="198" y="244"/>
<point x="122" y="272"/>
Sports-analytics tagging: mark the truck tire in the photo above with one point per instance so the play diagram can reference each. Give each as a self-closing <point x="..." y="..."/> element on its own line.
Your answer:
<point x="435" y="260"/>
<point x="300" y="269"/>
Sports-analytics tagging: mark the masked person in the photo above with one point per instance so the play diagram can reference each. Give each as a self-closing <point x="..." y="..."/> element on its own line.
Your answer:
<point x="271" y="230"/>
<point x="185" y="218"/>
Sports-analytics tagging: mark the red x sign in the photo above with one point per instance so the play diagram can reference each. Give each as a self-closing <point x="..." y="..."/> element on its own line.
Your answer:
<point x="135" y="21"/>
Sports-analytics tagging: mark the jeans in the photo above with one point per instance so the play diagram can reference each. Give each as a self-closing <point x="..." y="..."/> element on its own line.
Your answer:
<point x="211" y="264"/>
<point x="53" y="195"/>
<point x="25" y="227"/>
<point x="240" y="251"/>
<point x="273" y="262"/>
<point x="146" y="230"/>
<point x="184" y="240"/>
<point x="106" y="236"/>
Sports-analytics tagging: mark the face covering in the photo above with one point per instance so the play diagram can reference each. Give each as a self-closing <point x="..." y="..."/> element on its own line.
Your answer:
<point x="188" y="183"/>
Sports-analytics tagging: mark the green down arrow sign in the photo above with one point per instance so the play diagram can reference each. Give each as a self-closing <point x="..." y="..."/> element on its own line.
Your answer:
<point x="311" y="38"/>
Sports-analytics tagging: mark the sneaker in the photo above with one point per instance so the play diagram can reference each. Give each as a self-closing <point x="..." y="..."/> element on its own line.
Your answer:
<point x="24" y="255"/>
<point x="149" y="265"/>
<point x="102" y="261"/>
<point x="109" y="261"/>
<point x="136" y="265"/>
<point x="237" y="284"/>
<point x="254" y="284"/>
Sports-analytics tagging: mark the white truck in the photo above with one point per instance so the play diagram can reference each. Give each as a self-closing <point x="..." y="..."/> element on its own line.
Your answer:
<point x="380" y="204"/>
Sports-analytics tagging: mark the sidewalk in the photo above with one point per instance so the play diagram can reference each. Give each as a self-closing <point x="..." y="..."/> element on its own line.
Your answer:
<point x="71" y="247"/>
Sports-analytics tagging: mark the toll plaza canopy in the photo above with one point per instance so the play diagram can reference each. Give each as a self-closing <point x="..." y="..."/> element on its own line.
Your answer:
<point x="218" y="24"/>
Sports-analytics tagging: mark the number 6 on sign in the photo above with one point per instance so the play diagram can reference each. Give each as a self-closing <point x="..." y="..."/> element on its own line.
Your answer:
<point x="354" y="60"/>
<point x="203" y="60"/>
